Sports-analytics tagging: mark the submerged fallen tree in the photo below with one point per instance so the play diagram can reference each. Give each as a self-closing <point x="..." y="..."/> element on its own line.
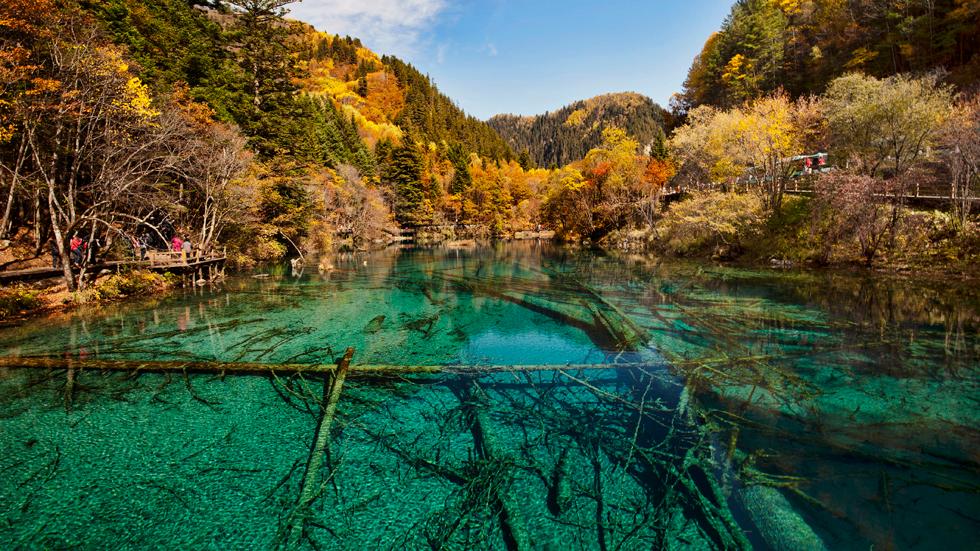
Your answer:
<point x="474" y="402"/>
<point x="215" y="366"/>
<point x="312" y="487"/>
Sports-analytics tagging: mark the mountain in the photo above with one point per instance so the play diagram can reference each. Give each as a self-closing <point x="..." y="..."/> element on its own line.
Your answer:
<point x="560" y="137"/>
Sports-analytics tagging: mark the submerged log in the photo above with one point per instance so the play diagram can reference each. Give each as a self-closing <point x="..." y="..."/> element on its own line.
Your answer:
<point x="778" y="522"/>
<point x="55" y="362"/>
<point x="312" y="488"/>
<point x="512" y="522"/>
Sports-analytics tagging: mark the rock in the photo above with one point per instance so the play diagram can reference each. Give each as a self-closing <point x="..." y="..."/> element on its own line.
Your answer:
<point x="723" y="252"/>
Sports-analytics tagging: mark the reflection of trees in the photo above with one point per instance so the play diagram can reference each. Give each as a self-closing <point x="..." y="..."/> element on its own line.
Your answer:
<point x="852" y="395"/>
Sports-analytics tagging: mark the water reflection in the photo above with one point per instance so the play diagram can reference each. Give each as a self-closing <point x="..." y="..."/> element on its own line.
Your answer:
<point x="769" y="409"/>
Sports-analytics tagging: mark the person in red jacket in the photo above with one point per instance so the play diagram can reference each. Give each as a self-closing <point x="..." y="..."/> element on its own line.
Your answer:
<point x="77" y="246"/>
<point x="176" y="243"/>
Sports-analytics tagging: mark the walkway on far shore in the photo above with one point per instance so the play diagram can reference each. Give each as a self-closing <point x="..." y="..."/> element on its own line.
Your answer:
<point x="157" y="262"/>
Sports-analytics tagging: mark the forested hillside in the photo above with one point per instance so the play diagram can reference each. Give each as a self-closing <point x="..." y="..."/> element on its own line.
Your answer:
<point x="801" y="45"/>
<point x="171" y="42"/>
<point x="227" y="123"/>
<point x="557" y="138"/>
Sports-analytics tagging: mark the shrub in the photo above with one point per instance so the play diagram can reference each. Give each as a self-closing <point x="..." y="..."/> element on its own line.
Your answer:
<point x="129" y="284"/>
<point x="135" y="283"/>
<point x="720" y="222"/>
<point x="855" y="209"/>
<point x="18" y="299"/>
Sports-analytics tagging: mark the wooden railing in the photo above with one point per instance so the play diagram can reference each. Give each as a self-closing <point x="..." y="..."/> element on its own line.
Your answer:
<point x="177" y="258"/>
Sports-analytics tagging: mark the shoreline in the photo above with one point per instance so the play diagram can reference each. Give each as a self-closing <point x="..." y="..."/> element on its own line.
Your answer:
<point x="54" y="298"/>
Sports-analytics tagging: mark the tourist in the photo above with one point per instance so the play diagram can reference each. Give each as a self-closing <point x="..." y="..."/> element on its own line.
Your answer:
<point x="176" y="244"/>
<point x="185" y="250"/>
<point x="55" y="254"/>
<point x="93" y="251"/>
<point x="143" y="245"/>
<point x="77" y="246"/>
<point x="134" y="246"/>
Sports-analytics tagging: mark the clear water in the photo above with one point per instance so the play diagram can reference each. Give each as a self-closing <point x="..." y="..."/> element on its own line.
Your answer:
<point x="757" y="409"/>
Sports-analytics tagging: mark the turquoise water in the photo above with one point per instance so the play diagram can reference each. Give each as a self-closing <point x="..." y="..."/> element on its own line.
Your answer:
<point x="724" y="408"/>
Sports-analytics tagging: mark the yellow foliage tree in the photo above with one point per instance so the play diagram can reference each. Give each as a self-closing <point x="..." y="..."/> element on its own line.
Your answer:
<point x="576" y="118"/>
<point x="750" y="144"/>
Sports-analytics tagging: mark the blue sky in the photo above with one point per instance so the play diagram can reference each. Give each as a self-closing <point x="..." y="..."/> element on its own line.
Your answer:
<point x="509" y="56"/>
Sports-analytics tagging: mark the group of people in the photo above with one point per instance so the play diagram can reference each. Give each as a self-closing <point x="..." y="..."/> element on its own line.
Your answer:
<point x="139" y="245"/>
<point x="81" y="252"/>
<point x="182" y="246"/>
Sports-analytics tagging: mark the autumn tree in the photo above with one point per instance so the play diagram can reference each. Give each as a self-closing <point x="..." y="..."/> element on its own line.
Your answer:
<point x="22" y="25"/>
<point x="217" y="161"/>
<point x="886" y="124"/>
<point x="355" y="208"/>
<point x="98" y="156"/>
<point x="801" y="46"/>
<point x="753" y="143"/>
<point x="562" y="200"/>
<point x="653" y="182"/>
<point x="95" y="138"/>
<point x="608" y="195"/>
<point x="853" y="209"/>
<point x="960" y="152"/>
<point x="284" y="209"/>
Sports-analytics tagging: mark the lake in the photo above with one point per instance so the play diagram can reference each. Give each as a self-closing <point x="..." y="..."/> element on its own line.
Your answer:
<point x="516" y="396"/>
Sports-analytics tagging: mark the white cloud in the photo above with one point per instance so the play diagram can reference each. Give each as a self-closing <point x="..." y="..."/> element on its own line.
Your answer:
<point x="491" y="49"/>
<point x="385" y="26"/>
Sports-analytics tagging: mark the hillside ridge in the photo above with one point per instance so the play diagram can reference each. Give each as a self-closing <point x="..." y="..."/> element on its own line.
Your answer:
<point x="556" y="138"/>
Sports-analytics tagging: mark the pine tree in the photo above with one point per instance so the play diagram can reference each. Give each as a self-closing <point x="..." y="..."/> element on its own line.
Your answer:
<point x="462" y="179"/>
<point x="658" y="149"/>
<point x="404" y="174"/>
<point x="362" y="86"/>
<point x="524" y="159"/>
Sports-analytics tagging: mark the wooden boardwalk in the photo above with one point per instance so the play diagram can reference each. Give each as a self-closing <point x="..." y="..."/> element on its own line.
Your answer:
<point x="926" y="195"/>
<point x="907" y="197"/>
<point x="157" y="262"/>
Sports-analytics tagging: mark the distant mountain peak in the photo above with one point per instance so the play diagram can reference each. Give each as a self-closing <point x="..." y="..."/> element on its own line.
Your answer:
<point x="559" y="137"/>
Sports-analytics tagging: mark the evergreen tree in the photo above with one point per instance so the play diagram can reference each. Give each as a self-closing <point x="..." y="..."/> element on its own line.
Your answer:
<point x="404" y="174"/>
<point x="435" y="118"/>
<point x="362" y="86"/>
<point x="658" y="148"/>
<point x="261" y="37"/>
<point x="524" y="159"/>
<point x="560" y="137"/>
<point x="462" y="179"/>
